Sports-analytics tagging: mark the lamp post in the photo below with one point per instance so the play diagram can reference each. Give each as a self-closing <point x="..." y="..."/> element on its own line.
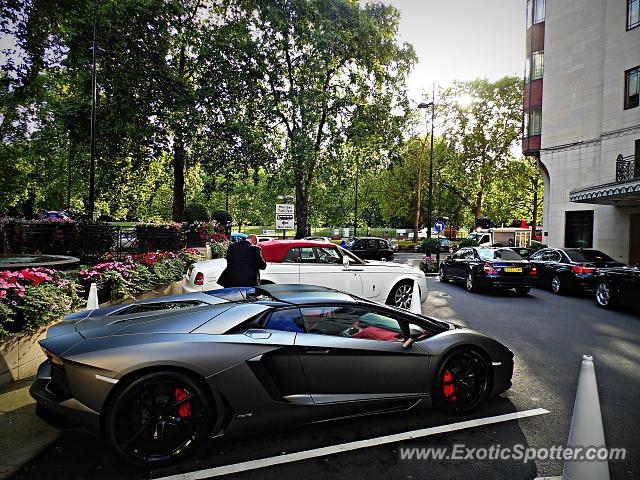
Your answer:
<point x="355" y="205"/>
<point x="92" y="160"/>
<point x="430" y="204"/>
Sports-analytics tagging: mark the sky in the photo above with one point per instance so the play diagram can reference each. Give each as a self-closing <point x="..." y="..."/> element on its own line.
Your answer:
<point x="462" y="40"/>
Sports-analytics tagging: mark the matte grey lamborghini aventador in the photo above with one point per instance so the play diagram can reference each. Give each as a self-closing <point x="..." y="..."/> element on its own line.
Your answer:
<point x="158" y="377"/>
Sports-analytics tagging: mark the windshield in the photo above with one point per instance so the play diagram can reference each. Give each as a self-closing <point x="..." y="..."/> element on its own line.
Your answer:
<point x="502" y="254"/>
<point x="589" y="256"/>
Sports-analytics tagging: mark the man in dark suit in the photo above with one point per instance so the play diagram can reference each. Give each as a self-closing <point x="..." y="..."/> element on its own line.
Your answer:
<point x="244" y="262"/>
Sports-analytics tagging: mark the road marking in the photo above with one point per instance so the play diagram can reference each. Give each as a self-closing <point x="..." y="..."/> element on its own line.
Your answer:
<point x="345" y="447"/>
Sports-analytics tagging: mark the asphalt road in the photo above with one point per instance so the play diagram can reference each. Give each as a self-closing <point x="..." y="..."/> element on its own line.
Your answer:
<point x="548" y="335"/>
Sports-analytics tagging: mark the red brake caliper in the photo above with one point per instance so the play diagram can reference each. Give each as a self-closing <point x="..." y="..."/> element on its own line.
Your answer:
<point x="447" y="387"/>
<point x="184" y="410"/>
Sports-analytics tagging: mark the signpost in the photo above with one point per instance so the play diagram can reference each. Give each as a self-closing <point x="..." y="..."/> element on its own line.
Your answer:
<point x="439" y="226"/>
<point x="285" y="217"/>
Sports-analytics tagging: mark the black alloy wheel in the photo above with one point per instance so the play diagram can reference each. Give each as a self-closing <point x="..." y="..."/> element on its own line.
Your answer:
<point x="604" y="295"/>
<point x="470" y="282"/>
<point x="158" y="418"/>
<point x="442" y="275"/>
<point x="463" y="382"/>
<point x="557" y="285"/>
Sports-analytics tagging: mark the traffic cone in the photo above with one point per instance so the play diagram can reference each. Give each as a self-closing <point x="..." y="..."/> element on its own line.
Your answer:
<point x="92" y="300"/>
<point x="416" y="304"/>
<point x="586" y="427"/>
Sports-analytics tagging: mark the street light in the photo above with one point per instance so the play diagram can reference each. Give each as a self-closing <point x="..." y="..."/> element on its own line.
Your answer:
<point x="430" y="206"/>
<point x="92" y="160"/>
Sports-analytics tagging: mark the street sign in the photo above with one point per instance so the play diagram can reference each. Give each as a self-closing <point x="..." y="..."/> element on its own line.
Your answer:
<point x="439" y="226"/>
<point x="285" y="216"/>
<point x="268" y="232"/>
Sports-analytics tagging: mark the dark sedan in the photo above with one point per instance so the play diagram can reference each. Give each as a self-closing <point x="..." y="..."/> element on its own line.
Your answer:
<point x="372" y="248"/>
<point x="569" y="270"/>
<point x="617" y="287"/>
<point x="480" y="267"/>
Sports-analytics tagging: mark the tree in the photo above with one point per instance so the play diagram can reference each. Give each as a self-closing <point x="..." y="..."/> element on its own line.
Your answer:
<point x="483" y="134"/>
<point x="323" y="63"/>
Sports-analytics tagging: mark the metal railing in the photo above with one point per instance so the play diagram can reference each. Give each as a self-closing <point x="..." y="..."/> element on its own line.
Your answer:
<point x="626" y="168"/>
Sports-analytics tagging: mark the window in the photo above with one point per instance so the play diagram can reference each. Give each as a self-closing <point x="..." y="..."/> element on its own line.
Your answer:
<point x="382" y="245"/>
<point x="307" y="255"/>
<point x="589" y="256"/>
<point x="503" y="254"/>
<point x="292" y="256"/>
<point x="633" y="14"/>
<point x="534" y="66"/>
<point x="631" y="88"/>
<point x="353" y="322"/>
<point x="535" y="12"/>
<point x="286" y="321"/>
<point x="532" y="121"/>
<point x="578" y="229"/>
<point x="328" y="255"/>
<point x="371" y="244"/>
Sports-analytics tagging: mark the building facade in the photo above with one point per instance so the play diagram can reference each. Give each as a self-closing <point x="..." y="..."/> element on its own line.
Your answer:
<point x="582" y="121"/>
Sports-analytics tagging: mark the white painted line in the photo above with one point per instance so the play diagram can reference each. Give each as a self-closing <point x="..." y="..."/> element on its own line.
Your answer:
<point x="345" y="447"/>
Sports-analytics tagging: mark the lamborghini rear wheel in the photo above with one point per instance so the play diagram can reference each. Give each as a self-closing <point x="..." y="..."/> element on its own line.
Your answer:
<point x="158" y="418"/>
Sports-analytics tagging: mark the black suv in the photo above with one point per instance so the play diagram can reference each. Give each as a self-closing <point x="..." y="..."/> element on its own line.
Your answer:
<point x="372" y="248"/>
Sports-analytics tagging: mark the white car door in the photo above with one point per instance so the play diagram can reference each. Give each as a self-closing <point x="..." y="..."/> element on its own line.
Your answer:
<point x="287" y="271"/>
<point x="322" y="265"/>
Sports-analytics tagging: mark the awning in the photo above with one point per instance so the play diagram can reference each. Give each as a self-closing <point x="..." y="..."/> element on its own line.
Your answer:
<point x="625" y="193"/>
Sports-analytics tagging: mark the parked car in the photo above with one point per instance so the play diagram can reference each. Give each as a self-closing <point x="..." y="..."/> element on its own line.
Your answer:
<point x="318" y="239"/>
<point x="158" y="378"/>
<point x="567" y="270"/>
<point x="617" y="287"/>
<point x="372" y="248"/>
<point x="324" y="264"/>
<point x="237" y="237"/>
<point x="486" y="267"/>
<point x="446" y="245"/>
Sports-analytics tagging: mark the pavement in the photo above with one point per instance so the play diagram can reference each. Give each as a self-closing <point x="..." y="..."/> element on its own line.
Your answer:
<point x="548" y="335"/>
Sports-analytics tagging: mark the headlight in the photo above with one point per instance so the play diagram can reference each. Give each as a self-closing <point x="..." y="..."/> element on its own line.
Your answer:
<point x="53" y="358"/>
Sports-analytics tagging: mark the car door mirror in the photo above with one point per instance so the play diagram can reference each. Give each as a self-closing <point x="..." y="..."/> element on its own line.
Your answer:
<point x="345" y="260"/>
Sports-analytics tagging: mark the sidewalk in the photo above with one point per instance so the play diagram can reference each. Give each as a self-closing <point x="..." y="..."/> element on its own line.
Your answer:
<point x="22" y="434"/>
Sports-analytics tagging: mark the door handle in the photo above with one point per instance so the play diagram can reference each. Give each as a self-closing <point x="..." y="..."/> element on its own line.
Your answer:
<point x="352" y="269"/>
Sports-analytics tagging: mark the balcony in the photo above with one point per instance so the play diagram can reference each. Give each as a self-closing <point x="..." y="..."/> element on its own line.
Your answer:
<point x="625" y="191"/>
<point x="626" y="168"/>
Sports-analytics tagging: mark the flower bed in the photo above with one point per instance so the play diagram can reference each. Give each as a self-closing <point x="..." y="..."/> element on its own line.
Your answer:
<point x="33" y="297"/>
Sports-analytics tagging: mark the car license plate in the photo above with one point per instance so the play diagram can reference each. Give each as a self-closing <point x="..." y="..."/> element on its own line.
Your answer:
<point x="513" y="270"/>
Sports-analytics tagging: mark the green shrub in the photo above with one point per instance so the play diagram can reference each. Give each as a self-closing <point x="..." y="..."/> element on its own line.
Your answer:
<point x="430" y="246"/>
<point x="168" y="271"/>
<point x="40" y="305"/>
<point x="535" y="245"/>
<point x="222" y="217"/>
<point x="196" y="212"/>
<point x="218" y="250"/>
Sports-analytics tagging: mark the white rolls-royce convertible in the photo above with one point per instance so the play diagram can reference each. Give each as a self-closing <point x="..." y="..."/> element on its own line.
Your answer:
<point x="323" y="264"/>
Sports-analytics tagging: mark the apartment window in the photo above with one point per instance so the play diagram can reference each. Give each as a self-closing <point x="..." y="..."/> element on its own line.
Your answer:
<point x="632" y="88"/>
<point x="534" y="66"/>
<point x="633" y="14"/>
<point x="532" y="121"/>
<point x="578" y="229"/>
<point x="535" y="12"/>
